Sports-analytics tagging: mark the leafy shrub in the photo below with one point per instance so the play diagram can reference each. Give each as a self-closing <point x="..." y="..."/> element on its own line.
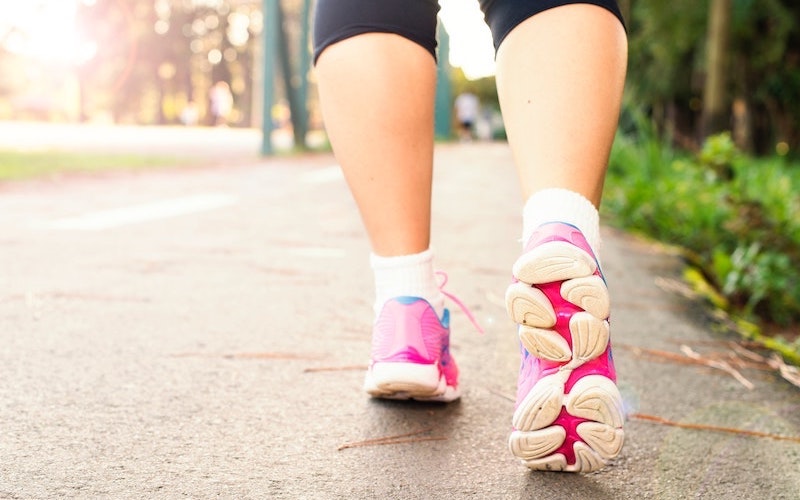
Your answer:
<point x="734" y="214"/>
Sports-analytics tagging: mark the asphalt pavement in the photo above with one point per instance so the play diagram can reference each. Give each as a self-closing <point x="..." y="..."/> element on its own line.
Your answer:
<point x="203" y="333"/>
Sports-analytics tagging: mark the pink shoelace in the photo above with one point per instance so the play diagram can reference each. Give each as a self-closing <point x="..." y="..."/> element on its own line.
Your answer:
<point x="458" y="302"/>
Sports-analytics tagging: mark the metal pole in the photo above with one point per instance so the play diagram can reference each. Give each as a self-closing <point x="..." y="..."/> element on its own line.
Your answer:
<point x="305" y="67"/>
<point x="289" y="81"/>
<point x="444" y="92"/>
<point x="271" y="34"/>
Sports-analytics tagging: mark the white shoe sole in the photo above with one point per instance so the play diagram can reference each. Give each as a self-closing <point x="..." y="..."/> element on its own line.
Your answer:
<point x="408" y="381"/>
<point x="594" y="398"/>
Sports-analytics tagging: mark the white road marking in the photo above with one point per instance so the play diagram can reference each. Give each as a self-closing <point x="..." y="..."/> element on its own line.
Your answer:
<point x="320" y="252"/>
<point x="327" y="174"/>
<point x="107" y="219"/>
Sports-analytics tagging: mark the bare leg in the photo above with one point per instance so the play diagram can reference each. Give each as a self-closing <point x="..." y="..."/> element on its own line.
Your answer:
<point x="560" y="76"/>
<point x="560" y="79"/>
<point x="377" y="92"/>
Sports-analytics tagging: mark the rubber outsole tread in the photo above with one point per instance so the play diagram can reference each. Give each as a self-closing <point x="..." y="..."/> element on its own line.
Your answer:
<point x="553" y="261"/>
<point x="594" y="398"/>
<point x="529" y="306"/>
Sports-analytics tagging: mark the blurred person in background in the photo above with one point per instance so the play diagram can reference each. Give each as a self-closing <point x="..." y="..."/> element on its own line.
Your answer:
<point x="468" y="107"/>
<point x="221" y="103"/>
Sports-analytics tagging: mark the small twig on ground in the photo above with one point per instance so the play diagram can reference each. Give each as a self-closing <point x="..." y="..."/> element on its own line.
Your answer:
<point x="746" y="358"/>
<point x="670" y="356"/>
<point x="739" y="357"/>
<point x="411" y="437"/>
<point x="691" y="357"/>
<point x="248" y="355"/>
<point x="335" y="368"/>
<point x="393" y="441"/>
<point x="746" y="353"/>
<point x="714" y="428"/>
<point x="720" y="365"/>
<point x="742" y="357"/>
<point x="775" y="363"/>
<point x="268" y="355"/>
<point x="790" y="373"/>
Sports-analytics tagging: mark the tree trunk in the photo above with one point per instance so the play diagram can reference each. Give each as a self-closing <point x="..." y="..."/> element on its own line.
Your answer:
<point x="715" y="99"/>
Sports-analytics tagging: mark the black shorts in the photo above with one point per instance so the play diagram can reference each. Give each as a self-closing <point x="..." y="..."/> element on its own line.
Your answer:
<point x="336" y="20"/>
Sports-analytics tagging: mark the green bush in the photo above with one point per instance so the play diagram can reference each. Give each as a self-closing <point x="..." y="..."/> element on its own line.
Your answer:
<point x="736" y="215"/>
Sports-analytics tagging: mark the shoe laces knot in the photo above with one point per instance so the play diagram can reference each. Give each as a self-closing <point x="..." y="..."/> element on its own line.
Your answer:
<point x="459" y="303"/>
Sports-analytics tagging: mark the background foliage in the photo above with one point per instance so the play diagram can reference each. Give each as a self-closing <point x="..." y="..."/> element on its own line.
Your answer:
<point x="668" y="69"/>
<point x="155" y="56"/>
<point x="735" y="216"/>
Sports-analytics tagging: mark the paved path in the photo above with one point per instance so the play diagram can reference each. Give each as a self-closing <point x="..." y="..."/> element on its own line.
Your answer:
<point x="202" y="333"/>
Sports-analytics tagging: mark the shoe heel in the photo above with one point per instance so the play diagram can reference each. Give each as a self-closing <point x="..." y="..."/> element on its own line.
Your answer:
<point x="404" y="380"/>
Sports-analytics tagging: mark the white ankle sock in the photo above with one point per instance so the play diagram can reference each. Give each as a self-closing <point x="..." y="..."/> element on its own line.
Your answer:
<point x="561" y="205"/>
<point x="406" y="275"/>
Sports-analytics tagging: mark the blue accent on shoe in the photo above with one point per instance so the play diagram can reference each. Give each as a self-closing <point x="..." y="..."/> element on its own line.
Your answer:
<point x="407" y="300"/>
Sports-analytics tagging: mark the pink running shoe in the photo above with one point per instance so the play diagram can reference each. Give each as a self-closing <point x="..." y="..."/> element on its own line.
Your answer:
<point x="411" y="353"/>
<point x="569" y="412"/>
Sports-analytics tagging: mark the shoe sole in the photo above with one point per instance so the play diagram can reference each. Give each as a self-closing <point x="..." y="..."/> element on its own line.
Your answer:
<point x="408" y="381"/>
<point x="592" y="409"/>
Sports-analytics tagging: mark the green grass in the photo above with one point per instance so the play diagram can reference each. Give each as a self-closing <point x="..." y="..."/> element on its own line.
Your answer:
<point x="18" y="165"/>
<point x="734" y="215"/>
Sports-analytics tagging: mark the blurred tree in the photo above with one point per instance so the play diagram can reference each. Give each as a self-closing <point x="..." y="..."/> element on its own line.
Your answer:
<point x="154" y="57"/>
<point x="765" y="71"/>
<point x="664" y="41"/>
<point x="120" y="78"/>
<point x="669" y="66"/>
<point x="157" y="56"/>
<point x="11" y="80"/>
<point x="716" y="117"/>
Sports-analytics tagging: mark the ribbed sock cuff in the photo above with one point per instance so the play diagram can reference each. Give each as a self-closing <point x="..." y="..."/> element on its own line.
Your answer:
<point x="406" y="275"/>
<point x="562" y="205"/>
